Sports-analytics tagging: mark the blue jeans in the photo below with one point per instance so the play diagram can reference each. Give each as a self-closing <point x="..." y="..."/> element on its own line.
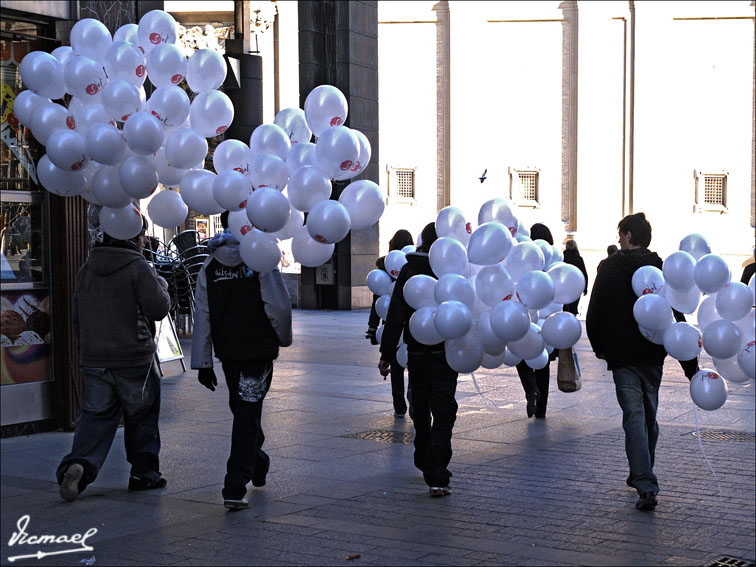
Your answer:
<point x="434" y="413"/>
<point x="638" y="395"/>
<point x="108" y="392"/>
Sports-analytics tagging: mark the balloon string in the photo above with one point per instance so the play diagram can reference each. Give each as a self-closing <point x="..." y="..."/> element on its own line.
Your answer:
<point x="486" y="398"/>
<point x="700" y="444"/>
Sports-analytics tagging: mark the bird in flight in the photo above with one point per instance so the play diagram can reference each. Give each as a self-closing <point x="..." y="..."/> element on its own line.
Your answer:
<point x="483" y="177"/>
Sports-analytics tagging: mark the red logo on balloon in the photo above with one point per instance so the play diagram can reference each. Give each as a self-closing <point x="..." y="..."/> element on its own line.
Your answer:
<point x="245" y="229"/>
<point x="647" y="290"/>
<point x="512" y="230"/>
<point x="156" y="115"/>
<point x="239" y="169"/>
<point x="176" y="79"/>
<point x="346" y="164"/>
<point x="125" y="117"/>
<point x="321" y="239"/>
<point x="92" y="89"/>
<point x="336" y="121"/>
<point x="468" y="228"/>
<point x="140" y="70"/>
<point x="712" y="375"/>
<point x="700" y="343"/>
<point x="70" y="122"/>
<point x="243" y="204"/>
<point x="221" y="129"/>
<point x="356" y="166"/>
<point x="76" y="166"/>
<point x="155" y="38"/>
<point x="141" y="49"/>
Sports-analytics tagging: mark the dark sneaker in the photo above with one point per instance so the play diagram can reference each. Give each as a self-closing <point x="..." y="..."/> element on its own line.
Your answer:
<point x="141" y="483"/>
<point x="629" y="481"/>
<point x="233" y="504"/>
<point x="69" y="487"/>
<point x="437" y="491"/>
<point x="647" y="501"/>
<point x="399" y="415"/>
<point x="530" y="408"/>
<point x="259" y="475"/>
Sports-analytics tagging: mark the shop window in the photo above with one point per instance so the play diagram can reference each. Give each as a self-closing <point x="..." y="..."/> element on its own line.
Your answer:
<point x="711" y="191"/>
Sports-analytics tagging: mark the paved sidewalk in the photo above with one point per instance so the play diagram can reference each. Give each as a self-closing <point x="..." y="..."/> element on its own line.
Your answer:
<point x="526" y="492"/>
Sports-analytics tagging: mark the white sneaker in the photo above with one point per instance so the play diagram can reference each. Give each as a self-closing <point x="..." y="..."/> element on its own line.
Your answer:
<point x="239" y="504"/>
<point x="436" y="491"/>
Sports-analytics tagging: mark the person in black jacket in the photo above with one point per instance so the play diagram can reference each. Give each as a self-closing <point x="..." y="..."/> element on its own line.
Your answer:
<point x="400" y="239"/>
<point x="611" y="249"/>
<point x="635" y="362"/>
<point x="572" y="256"/>
<point x="434" y="383"/>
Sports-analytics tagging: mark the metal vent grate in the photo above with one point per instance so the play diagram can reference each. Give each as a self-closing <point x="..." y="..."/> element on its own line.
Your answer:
<point x="383" y="436"/>
<point x="405" y="183"/>
<point x="714" y="189"/>
<point x="529" y="185"/>
<point x="710" y="435"/>
<point x="728" y="561"/>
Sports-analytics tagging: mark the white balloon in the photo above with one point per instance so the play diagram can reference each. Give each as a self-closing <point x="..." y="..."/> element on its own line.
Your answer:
<point x="125" y="61"/>
<point x="156" y="27"/>
<point x="511" y="359"/>
<point x="105" y="144"/>
<point x="143" y="133"/>
<point x="540" y="361"/>
<point x="43" y="75"/>
<point x="167" y="175"/>
<point x="707" y="312"/>
<point x="510" y="320"/>
<point x="500" y="210"/>
<point x="205" y="71"/>
<point x="730" y="370"/>
<point x="711" y="273"/>
<point x="453" y="319"/>
<point x="362" y="160"/>
<point x="121" y="99"/>
<point x="524" y="257"/>
<point x="24" y="105"/>
<point x="569" y="282"/>
<point x="301" y="155"/>
<point x="231" y="190"/>
<point x="211" y="113"/>
<point x="170" y="105"/>
<point x="747" y="358"/>
<point x="62" y="54"/>
<point x="734" y="301"/>
<point x="138" y="177"/>
<point x="309" y="252"/>
<point x="464" y="354"/>
<point x="561" y="330"/>
<point x="336" y="150"/>
<point x="364" y="202"/>
<point x="695" y="245"/>
<point x="88" y="116"/>
<point x="422" y="327"/>
<point x="185" y="147"/>
<point x="121" y="223"/>
<point x="239" y="225"/>
<point x="270" y="139"/>
<point x="678" y="270"/>
<point x="47" y="118"/>
<point x="325" y="107"/>
<point x="682" y="301"/>
<point x="409" y="249"/>
<point x="328" y="222"/>
<point x="536" y="289"/>
<point x="268" y="209"/>
<point x="550" y="309"/>
<point x="197" y="192"/>
<point x="547" y="250"/>
<point x="268" y="170"/>
<point x="682" y="341"/>
<point x="454" y="287"/>
<point x="232" y="154"/>
<point x="448" y="256"/>
<point x="307" y="187"/>
<point x="167" y="209"/>
<point x="493" y="284"/>
<point x="530" y="345"/>
<point x="294" y="123"/>
<point x="58" y="181"/>
<point x="652" y="311"/>
<point x="708" y="390"/>
<point x="90" y="38"/>
<point x="260" y="251"/>
<point x="84" y="78"/>
<point x="489" y="244"/>
<point x="450" y="221"/>
<point x="128" y="33"/>
<point x="721" y="339"/>
<point x="379" y="281"/>
<point x="382" y="306"/>
<point x="293" y="224"/>
<point x="652" y="335"/>
<point x="106" y="187"/>
<point x="418" y="290"/>
<point x="401" y="356"/>
<point x="394" y="262"/>
<point x="647" y="279"/>
<point x="66" y="150"/>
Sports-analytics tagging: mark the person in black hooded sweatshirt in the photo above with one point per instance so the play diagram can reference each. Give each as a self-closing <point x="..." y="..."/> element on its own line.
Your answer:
<point x="635" y="362"/>
<point x="434" y="383"/>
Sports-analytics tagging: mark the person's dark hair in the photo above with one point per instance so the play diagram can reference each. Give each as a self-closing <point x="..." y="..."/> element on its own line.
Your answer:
<point x="611" y="249"/>
<point x="224" y="219"/>
<point x="541" y="232"/>
<point x="428" y="237"/>
<point x="400" y="239"/>
<point x="639" y="229"/>
<point x="570" y="245"/>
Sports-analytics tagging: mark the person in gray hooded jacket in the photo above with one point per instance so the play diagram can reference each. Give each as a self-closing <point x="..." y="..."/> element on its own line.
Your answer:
<point x="117" y="300"/>
<point x="245" y="316"/>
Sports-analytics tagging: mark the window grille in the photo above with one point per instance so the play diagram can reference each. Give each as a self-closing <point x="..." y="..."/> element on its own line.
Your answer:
<point x="714" y="189"/>
<point x="405" y="183"/>
<point x="711" y="191"/>
<point x="528" y="186"/>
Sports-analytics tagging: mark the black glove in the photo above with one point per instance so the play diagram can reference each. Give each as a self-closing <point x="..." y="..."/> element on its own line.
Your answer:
<point x="370" y="335"/>
<point x="690" y="367"/>
<point x="206" y="377"/>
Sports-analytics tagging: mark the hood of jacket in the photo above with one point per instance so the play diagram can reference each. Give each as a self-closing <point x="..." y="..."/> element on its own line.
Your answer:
<point x="106" y="260"/>
<point x="225" y="249"/>
<point x="420" y="262"/>
<point x="630" y="260"/>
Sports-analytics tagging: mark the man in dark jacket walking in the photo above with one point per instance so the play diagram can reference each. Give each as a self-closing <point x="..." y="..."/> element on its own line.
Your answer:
<point x="572" y="256"/>
<point x="117" y="300"/>
<point x="245" y="316"/>
<point x="635" y="362"/>
<point x="434" y="383"/>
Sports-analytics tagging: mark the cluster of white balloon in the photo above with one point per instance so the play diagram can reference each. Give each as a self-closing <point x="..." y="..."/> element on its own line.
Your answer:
<point x="112" y="145"/>
<point x="499" y="295"/>
<point x="726" y="323"/>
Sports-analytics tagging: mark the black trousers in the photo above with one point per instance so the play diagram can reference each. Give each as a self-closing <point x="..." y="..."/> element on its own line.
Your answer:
<point x="397" y="386"/>
<point x="248" y="383"/>
<point x="434" y="384"/>
<point x="535" y="381"/>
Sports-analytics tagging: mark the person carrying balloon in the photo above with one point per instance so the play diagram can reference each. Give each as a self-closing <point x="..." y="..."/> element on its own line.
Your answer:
<point x="117" y="300"/>
<point x="636" y="363"/>
<point x="245" y="317"/>
<point x="572" y="256"/>
<point x="434" y="383"/>
<point x="400" y="239"/>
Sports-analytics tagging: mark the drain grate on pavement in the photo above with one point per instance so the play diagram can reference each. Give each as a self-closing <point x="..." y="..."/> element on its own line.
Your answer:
<point x="728" y="561"/>
<point x="383" y="436"/>
<point x="712" y="435"/>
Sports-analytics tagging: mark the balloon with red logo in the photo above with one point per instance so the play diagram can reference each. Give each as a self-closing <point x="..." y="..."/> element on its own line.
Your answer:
<point x="493" y="284"/>
<point x="294" y="123"/>
<point x="336" y="150"/>
<point x="268" y="209"/>
<point x="328" y="222"/>
<point x="325" y="107"/>
<point x="170" y="105"/>
<point x="197" y="191"/>
<point x="156" y="27"/>
<point x="231" y="190"/>
<point x="90" y="38"/>
<point x="166" y="65"/>
<point x="500" y="210"/>
<point x="58" y="181"/>
<point x="43" y="75"/>
<point x="747" y="358"/>
<point x="362" y="160"/>
<point x="121" y="99"/>
<point x="239" y="225"/>
<point x="708" y="390"/>
<point x="85" y="78"/>
<point x="66" y="150"/>
<point x="647" y="279"/>
<point x="211" y="113"/>
<point x="489" y="244"/>
<point x="268" y="170"/>
<point x="232" y="154"/>
<point x="47" y="118"/>
<point x="682" y="341"/>
<point x="205" y="71"/>
<point x="309" y="252"/>
<point x="394" y="261"/>
<point x="126" y="61"/>
<point x="450" y="221"/>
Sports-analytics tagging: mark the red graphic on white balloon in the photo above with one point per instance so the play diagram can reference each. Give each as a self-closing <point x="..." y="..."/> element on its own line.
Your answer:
<point x="155" y="38"/>
<point x="92" y="89"/>
<point x="346" y="164"/>
<point x="243" y="204"/>
<point x="221" y="129"/>
<point x="70" y="122"/>
<point x="320" y="239"/>
<point x="336" y="121"/>
<point x="125" y="117"/>
<point x="512" y="230"/>
<point x="176" y="79"/>
<point x="76" y="166"/>
<point x="647" y="290"/>
<point x="156" y="115"/>
<point x="468" y="228"/>
<point x="245" y="229"/>
<point x="140" y="70"/>
<point x="356" y="166"/>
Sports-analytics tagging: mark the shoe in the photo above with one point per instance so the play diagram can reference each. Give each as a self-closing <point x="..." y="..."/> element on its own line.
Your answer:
<point x="647" y="501"/>
<point x="232" y="504"/>
<point x="540" y="414"/>
<point x="530" y="408"/>
<point x="629" y="481"/>
<point x="259" y="476"/>
<point x="140" y="483"/>
<point x="399" y="415"/>
<point x="437" y="491"/>
<point x="69" y="487"/>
